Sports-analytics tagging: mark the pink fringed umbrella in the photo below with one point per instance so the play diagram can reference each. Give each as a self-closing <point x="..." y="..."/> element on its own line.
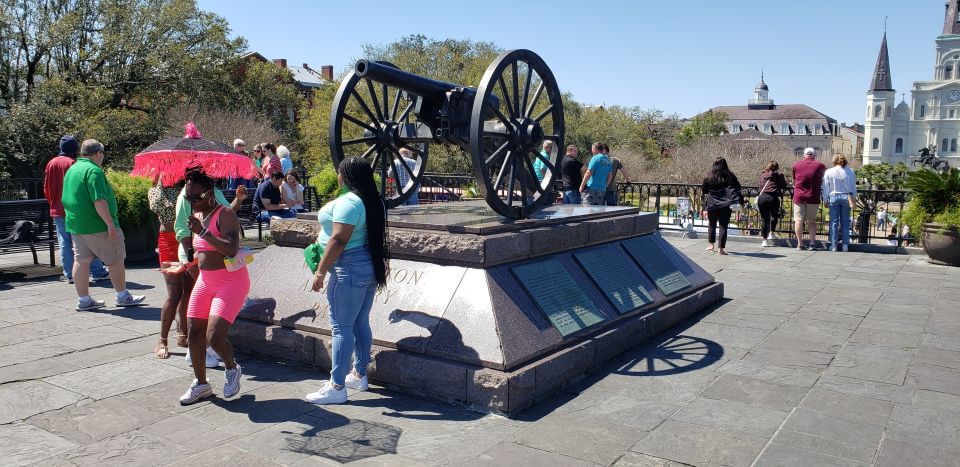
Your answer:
<point x="170" y="158"/>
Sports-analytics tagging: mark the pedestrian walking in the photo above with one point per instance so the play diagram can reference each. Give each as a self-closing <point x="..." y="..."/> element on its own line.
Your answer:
<point x="353" y="232"/>
<point x="219" y="293"/>
<point x="721" y="196"/>
<point x="881" y="219"/>
<point x="163" y="202"/>
<point x="90" y="208"/>
<point x="616" y="168"/>
<point x="772" y="184"/>
<point x="539" y="166"/>
<point x="53" y="175"/>
<point x="839" y="193"/>
<point x="807" y="182"/>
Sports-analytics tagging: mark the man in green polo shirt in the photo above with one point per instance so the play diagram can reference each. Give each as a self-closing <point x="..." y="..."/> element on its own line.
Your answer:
<point x="91" y="216"/>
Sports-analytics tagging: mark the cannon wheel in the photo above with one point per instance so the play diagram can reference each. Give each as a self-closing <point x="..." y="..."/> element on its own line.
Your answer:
<point x="518" y="106"/>
<point x="363" y="123"/>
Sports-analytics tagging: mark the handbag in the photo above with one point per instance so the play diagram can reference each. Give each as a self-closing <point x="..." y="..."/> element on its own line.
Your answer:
<point x="312" y="255"/>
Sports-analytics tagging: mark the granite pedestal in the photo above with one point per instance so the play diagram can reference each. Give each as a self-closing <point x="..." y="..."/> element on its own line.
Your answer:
<point x="483" y="311"/>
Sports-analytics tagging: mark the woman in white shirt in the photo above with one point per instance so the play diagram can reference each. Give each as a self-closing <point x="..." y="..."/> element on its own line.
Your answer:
<point x="839" y="193"/>
<point x="292" y="192"/>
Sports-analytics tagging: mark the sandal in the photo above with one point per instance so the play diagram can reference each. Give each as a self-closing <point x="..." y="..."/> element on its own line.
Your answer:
<point x="160" y="350"/>
<point x="182" y="340"/>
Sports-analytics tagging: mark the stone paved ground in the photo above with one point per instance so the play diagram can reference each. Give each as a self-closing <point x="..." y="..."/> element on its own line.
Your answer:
<point x="816" y="359"/>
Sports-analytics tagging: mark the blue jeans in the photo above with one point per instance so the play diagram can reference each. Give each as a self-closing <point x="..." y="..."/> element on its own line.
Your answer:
<point x="66" y="252"/>
<point x="350" y="293"/>
<point x="593" y="197"/>
<point x="413" y="200"/>
<point x="839" y="219"/>
<point x="265" y="216"/>
<point x="571" y="197"/>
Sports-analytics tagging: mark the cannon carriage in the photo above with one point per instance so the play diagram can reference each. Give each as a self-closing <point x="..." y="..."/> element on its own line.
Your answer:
<point x="379" y="110"/>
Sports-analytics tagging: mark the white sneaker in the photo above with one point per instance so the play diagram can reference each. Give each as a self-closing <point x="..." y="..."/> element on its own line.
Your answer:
<point x="212" y="361"/>
<point x="231" y="383"/>
<point x="130" y="300"/>
<point x="195" y="393"/>
<point x="90" y="305"/>
<point x="764" y="244"/>
<point x="328" y="395"/>
<point x="772" y="236"/>
<point x="352" y="382"/>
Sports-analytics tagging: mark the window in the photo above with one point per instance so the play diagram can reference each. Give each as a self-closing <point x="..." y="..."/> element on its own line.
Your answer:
<point x="953" y="145"/>
<point x="768" y="128"/>
<point x="785" y="128"/>
<point x="948" y="71"/>
<point x="876" y="144"/>
<point x="876" y="111"/>
<point x="818" y="129"/>
<point x="801" y="129"/>
<point x="752" y="126"/>
<point x="950" y="114"/>
<point x="735" y="128"/>
<point x="946" y="145"/>
<point x="923" y="111"/>
<point x="889" y="110"/>
<point x="899" y="148"/>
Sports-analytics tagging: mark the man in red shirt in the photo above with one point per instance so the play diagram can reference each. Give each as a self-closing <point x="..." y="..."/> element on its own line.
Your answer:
<point x="53" y="190"/>
<point x="807" y="177"/>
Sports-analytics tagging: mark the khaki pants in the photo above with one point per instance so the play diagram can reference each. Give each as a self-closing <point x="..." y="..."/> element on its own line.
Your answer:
<point x="88" y="246"/>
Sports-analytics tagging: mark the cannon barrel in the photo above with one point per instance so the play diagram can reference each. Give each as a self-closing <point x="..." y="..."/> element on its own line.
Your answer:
<point x="429" y="89"/>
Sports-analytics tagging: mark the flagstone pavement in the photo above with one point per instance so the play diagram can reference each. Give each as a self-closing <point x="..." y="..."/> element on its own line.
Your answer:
<point x="814" y="359"/>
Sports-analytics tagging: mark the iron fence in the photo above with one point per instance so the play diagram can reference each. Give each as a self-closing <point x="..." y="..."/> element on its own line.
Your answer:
<point x="664" y="199"/>
<point x="21" y="188"/>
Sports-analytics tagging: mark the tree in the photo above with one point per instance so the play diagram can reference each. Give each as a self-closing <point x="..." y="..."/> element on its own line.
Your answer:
<point x="709" y="123"/>
<point x="106" y="69"/>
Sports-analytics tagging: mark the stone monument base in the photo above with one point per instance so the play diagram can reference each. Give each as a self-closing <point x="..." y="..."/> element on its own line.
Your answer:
<point x="482" y="311"/>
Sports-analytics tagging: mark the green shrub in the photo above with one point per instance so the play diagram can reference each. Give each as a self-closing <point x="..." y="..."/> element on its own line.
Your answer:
<point x="936" y="198"/>
<point x="326" y="183"/>
<point x="133" y="209"/>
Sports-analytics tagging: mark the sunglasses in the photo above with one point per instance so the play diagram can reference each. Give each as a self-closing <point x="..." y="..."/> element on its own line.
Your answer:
<point x="257" y="150"/>
<point x="196" y="198"/>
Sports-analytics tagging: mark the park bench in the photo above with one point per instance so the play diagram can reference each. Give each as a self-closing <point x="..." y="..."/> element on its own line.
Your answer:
<point x="248" y="212"/>
<point x="26" y="224"/>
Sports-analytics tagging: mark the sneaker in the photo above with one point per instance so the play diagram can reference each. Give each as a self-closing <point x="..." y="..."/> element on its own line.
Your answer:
<point x="91" y="305"/>
<point x="100" y="278"/>
<point x="352" y="382"/>
<point x="832" y="248"/>
<point x="328" y="395"/>
<point x="212" y="360"/>
<point x="231" y="383"/>
<point x="772" y="236"/>
<point x="195" y="393"/>
<point x="764" y="244"/>
<point x="130" y="300"/>
<point x="66" y="279"/>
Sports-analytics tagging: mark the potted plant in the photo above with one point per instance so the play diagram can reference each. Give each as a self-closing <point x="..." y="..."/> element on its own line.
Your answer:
<point x="140" y="225"/>
<point x="933" y="213"/>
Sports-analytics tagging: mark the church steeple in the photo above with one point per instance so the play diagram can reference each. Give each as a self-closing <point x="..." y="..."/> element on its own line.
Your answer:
<point x="951" y="18"/>
<point x="881" y="73"/>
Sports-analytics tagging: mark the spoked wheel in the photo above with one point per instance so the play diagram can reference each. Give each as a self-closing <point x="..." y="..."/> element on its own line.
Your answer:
<point x="366" y="122"/>
<point x="518" y="106"/>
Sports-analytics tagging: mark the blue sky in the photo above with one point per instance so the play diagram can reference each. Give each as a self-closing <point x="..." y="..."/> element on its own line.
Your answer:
<point x="678" y="56"/>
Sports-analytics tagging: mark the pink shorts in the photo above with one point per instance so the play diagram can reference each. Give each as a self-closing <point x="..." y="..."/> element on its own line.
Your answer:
<point x="220" y="293"/>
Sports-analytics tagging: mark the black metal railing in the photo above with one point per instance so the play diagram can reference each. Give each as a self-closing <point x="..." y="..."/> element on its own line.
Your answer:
<point x="21" y="188"/>
<point x="665" y="198"/>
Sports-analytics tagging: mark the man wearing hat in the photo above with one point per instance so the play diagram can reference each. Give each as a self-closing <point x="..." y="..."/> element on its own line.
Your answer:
<point x="53" y="191"/>
<point x="807" y="178"/>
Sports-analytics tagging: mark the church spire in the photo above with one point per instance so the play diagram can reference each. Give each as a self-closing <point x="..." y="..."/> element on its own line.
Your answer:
<point x="881" y="74"/>
<point x="951" y="18"/>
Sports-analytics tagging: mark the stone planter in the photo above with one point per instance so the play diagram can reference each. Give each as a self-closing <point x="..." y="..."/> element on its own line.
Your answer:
<point x="942" y="245"/>
<point x="141" y="241"/>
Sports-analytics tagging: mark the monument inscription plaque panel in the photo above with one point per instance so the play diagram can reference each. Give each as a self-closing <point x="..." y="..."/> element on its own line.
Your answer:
<point x="656" y="264"/>
<point x="557" y="295"/>
<point x="621" y="283"/>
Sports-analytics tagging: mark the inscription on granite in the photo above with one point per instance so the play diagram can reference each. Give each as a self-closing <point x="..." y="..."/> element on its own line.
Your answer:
<point x="613" y="275"/>
<point x="656" y="264"/>
<point x="557" y="295"/>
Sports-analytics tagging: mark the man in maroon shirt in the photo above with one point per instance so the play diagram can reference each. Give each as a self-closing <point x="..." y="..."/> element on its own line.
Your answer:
<point x="807" y="177"/>
<point x="53" y="190"/>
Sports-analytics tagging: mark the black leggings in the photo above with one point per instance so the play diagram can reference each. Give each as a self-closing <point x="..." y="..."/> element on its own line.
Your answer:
<point x="722" y="215"/>
<point x="769" y="208"/>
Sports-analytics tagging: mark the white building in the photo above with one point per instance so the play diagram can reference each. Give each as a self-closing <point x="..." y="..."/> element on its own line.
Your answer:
<point x="896" y="132"/>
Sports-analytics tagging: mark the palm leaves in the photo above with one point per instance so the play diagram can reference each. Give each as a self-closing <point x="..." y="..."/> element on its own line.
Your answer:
<point x="933" y="191"/>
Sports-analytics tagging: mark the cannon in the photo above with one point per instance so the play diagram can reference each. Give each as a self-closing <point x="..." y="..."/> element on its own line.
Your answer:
<point x="380" y="109"/>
